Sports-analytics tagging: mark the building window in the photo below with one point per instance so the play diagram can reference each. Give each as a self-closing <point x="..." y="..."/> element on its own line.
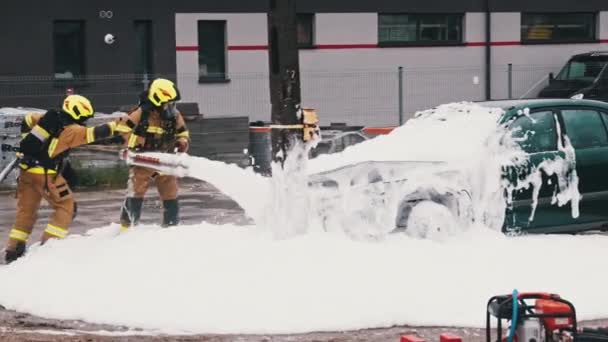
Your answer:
<point x="68" y="44"/>
<point x="305" y="30"/>
<point x="211" y="50"/>
<point x="419" y="29"/>
<point x="143" y="48"/>
<point x="558" y="27"/>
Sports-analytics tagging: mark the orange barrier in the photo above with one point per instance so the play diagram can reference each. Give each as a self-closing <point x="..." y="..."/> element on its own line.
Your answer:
<point x="378" y="130"/>
<point x="366" y="130"/>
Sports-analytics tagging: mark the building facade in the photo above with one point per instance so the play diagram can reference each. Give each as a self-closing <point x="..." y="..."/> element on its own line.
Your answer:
<point x="350" y="52"/>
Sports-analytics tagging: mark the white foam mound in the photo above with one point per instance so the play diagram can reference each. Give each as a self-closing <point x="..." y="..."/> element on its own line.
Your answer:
<point x="465" y="139"/>
<point x="450" y="132"/>
<point x="226" y="279"/>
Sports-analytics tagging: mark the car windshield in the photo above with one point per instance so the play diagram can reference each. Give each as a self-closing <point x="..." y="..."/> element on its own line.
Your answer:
<point x="581" y="70"/>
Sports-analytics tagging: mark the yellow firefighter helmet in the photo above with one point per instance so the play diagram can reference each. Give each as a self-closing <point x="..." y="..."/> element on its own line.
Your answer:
<point x="78" y="107"/>
<point x="162" y="91"/>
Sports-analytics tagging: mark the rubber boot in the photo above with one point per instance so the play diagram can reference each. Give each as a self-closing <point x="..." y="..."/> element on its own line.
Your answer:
<point x="131" y="210"/>
<point x="11" y="256"/>
<point x="75" y="210"/>
<point x="170" y="213"/>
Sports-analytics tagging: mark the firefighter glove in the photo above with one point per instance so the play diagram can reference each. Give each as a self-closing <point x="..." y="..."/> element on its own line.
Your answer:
<point x="181" y="146"/>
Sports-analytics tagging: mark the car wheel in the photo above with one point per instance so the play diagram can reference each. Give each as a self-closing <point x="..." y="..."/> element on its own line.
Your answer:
<point x="431" y="220"/>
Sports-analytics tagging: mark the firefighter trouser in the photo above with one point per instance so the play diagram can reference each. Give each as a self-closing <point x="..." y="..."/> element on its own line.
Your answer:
<point x="139" y="181"/>
<point x="31" y="189"/>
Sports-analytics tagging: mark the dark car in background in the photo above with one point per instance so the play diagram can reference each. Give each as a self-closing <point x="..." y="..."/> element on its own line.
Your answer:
<point x="584" y="74"/>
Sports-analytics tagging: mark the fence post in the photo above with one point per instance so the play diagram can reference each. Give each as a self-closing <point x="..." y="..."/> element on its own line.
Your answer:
<point x="400" y="75"/>
<point x="510" y="80"/>
<point x="145" y="81"/>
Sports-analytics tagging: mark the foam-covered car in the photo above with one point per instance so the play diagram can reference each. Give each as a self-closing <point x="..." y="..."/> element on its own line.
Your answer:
<point x="561" y="187"/>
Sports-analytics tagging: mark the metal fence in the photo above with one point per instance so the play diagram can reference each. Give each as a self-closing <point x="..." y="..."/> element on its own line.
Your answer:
<point x="375" y="97"/>
<point x="514" y="81"/>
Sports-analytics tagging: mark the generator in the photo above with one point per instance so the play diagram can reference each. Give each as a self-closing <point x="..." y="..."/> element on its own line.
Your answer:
<point x="536" y="317"/>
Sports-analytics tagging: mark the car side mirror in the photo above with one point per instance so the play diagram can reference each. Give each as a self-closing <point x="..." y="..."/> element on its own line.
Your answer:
<point x="551" y="77"/>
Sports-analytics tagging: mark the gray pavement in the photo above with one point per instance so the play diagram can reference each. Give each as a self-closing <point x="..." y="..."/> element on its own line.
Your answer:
<point x="199" y="202"/>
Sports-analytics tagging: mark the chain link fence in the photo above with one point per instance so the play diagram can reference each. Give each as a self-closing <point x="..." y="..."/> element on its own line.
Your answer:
<point x="344" y="100"/>
<point x="108" y="92"/>
<point x="515" y="81"/>
<point x="376" y="97"/>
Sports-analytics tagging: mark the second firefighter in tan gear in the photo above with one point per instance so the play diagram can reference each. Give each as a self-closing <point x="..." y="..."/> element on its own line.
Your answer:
<point x="47" y="140"/>
<point x="154" y="126"/>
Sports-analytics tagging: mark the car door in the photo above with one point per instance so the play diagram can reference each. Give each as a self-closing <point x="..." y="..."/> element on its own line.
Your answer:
<point x="585" y="128"/>
<point x="599" y="91"/>
<point x="538" y="136"/>
<point x="602" y="89"/>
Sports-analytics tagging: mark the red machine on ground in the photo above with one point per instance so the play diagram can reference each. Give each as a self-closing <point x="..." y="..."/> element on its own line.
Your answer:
<point x="537" y="317"/>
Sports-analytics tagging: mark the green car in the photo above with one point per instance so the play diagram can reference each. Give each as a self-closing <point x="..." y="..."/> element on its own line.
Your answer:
<point x="555" y="129"/>
<point x="585" y="124"/>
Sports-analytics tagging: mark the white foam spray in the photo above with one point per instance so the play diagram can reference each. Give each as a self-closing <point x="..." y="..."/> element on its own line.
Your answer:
<point x="456" y="150"/>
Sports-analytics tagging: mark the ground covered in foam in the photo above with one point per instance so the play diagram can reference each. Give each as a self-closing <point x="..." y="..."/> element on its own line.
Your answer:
<point x="227" y="279"/>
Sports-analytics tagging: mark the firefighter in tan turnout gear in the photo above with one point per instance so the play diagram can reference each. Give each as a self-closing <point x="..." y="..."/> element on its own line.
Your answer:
<point x="154" y="126"/>
<point x="46" y="143"/>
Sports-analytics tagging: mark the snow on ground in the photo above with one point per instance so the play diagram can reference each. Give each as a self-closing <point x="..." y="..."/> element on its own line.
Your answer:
<point x="226" y="279"/>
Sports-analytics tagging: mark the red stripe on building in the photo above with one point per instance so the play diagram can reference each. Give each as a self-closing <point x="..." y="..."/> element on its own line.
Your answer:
<point x="505" y="43"/>
<point x="247" y="47"/>
<point x="186" y="48"/>
<point x="265" y="47"/>
<point x="355" y="46"/>
<point x="493" y="43"/>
